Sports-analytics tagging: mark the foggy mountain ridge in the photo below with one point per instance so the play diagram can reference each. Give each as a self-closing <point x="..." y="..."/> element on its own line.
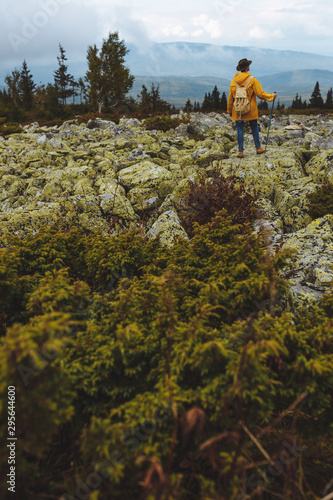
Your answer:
<point x="198" y="59"/>
<point x="188" y="70"/>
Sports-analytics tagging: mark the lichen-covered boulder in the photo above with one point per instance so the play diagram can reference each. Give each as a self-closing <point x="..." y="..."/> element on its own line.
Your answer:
<point x="313" y="269"/>
<point x="168" y="227"/>
<point x="320" y="166"/>
<point x="143" y="199"/>
<point x="113" y="199"/>
<point x="24" y="220"/>
<point x="148" y="175"/>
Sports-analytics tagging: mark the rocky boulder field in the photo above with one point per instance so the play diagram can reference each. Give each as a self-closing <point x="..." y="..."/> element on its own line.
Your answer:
<point x="116" y="174"/>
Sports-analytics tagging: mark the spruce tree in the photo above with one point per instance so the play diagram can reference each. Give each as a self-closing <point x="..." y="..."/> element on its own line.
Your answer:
<point x="263" y="105"/>
<point x="316" y="101"/>
<point x="188" y="105"/>
<point x="329" y="99"/>
<point x="224" y="102"/>
<point x="12" y="82"/>
<point x="82" y="87"/>
<point x="215" y="99"/>
<point x="26" y="87"/>
<point x="107" y="77"/>
<point x="62" y="78"/>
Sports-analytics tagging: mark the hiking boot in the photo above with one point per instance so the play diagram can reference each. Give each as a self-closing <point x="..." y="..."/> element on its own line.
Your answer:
<point x="260" y="151"/>
<point x="240" y="154"/>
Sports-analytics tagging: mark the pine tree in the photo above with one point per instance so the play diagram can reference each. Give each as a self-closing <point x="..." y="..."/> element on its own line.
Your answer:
<point x="297" y="102"/>
<point x="74" y="86"/>
<point x="82" y="87"/>
<point x="207" y="104"/>
<point x="12" y="82"/>
<point x="263" y="105"/>
<point x="188" y="105"/>
<point x="62" y="78"/>
<point x="196" y="106"/>
<point x="108" y="78"/>
<point x="224" y="102"/>
<point x="215" y="99"/>
<point x="329" y="99"/>
<point x="26" y="87"/>
<point x="316" y="101"/>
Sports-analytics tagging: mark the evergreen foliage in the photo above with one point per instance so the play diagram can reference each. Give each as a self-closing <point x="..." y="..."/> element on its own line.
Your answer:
<point x="329" y="99"/>
<point x="163" y="122"/>
<point x="263" y="105"/>
<point x="148" y="372"/>
<point x="316" y="100"/>
<point x="108" y="79"/>
<point x="298" y="103"/>
<point x="320" y="201"/>
<point x="62" y="78"/>
<point x="26" y="87"/>
<point x="151" y="101"/>
<point x="213" y="102"/>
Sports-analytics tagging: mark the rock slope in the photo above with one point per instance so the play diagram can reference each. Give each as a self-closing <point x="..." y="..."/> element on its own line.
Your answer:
<point x="119" y="174"/>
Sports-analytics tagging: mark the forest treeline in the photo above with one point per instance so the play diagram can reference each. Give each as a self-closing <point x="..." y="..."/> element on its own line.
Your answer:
<point x="104" y="89"/>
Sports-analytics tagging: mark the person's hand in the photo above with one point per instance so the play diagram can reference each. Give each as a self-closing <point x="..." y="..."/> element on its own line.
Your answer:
<point x="275" y="95"/>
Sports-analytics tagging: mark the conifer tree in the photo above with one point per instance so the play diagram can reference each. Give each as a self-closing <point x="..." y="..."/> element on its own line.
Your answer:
<point x="329" y="99"/>
<point x="107" y="77"/>
<point x="62" y="78"/>
<point x="12" y="82"/>
<point x="215" y="99"/>
<point x="224" y="102"/>
<point x="144" y="99"/>
<point x="196" y="106"/>
<point x="263" y="105"/>
<point x="82" y="87"/>
<point x="26" y="86"/>
<point x="316" y="101"/>
<point x="188" y="105"/>
<point x="207" y="103"/>
<point x="298" y="103"/>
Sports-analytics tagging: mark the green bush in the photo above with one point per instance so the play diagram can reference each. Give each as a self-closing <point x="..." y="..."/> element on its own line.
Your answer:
<point x="10" y="128"/>
<point x="163" y="123"/>
<point x="320" y="202"/>
<point x="148" y="372"/>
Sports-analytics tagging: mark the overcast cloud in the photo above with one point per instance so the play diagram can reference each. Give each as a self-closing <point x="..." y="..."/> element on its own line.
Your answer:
<point x="33" y="29"/>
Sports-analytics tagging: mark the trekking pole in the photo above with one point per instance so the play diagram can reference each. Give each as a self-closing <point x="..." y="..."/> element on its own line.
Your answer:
<point x="269" y="126"/>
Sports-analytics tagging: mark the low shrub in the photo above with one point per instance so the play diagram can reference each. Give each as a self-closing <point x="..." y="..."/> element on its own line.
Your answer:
<point x="163" y="123"/>
<point x="148" y="372"/>
<point x="10" y="128"/>
<point x="320" y="201"/>
<point x="208" y="195"/>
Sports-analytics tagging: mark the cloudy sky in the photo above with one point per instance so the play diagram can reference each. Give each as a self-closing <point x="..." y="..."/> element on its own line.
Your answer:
<point x="33" y="29"/>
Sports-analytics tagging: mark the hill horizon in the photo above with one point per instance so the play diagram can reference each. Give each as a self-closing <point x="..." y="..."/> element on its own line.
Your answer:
<point x="189" y="70"/>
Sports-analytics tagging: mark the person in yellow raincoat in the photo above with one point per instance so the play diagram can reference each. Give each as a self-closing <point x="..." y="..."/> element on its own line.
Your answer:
<point x="254" y="90"/>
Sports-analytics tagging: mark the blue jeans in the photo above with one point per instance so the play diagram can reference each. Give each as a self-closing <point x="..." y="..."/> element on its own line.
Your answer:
<point x="240" y="133"/>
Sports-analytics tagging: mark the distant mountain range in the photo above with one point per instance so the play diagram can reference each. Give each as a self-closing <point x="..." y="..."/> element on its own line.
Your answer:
<point x="189" y="70"/>
<point x="177" y="89"/>
<point x="198" y="59"/>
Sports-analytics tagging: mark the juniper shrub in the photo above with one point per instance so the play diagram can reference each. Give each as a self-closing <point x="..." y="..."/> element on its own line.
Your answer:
<point x="163" y="123"/>
<point x="148" y="372"/>
<point x="320" y="202"/>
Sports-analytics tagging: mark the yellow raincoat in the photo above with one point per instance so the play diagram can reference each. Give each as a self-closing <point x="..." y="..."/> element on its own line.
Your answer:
<point x="254" y="90"/>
